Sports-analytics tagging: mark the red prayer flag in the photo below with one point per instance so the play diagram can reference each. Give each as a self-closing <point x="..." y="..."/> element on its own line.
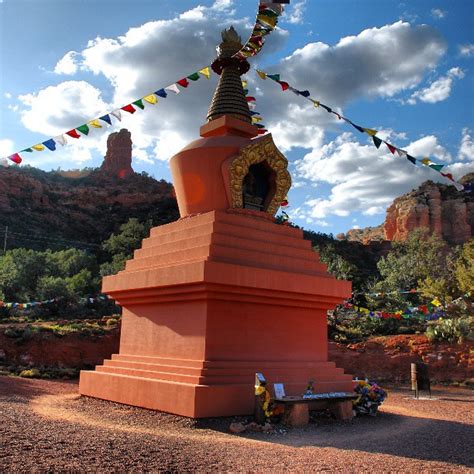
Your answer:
<point x="72" y="133"/>
<point x="284" y="85"/>
<point x="183" y="82"/>
<point x="250" y="98"/>
<point x="262" y="131"/>
<point x="16" y="158"/>
<point x="129" y="108"/>
<point x="391" y="148"/>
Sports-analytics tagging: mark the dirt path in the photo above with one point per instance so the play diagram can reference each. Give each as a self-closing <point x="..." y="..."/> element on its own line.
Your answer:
<point x="46" y="426"/>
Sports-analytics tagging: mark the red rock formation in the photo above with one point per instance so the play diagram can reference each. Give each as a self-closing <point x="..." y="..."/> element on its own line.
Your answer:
<point x="444" y="211"/>
<point x="118" y="159"/>
<point x="438" y="207"/>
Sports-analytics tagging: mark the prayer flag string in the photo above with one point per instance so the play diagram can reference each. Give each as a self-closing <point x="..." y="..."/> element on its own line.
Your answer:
<point x="265" y="22"/>
<point x="86" y="128"/>
<point x="369" y="131"/>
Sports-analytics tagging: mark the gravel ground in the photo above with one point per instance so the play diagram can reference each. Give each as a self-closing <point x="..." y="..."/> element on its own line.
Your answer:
<point x="46" y="426"/>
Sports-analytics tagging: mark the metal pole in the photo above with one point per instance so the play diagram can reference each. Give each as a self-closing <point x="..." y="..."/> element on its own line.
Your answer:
<point x="5" y="240"/>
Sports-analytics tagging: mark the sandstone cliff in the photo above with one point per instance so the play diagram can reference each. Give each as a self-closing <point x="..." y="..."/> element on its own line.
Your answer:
<point x="440" y="208"/>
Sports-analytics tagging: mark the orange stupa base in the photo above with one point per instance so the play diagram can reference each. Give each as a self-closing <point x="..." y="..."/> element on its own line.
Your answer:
<point x="208" y="301"/>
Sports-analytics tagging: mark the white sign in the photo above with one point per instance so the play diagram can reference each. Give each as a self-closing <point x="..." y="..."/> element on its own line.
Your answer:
<point x="279" y="390"/>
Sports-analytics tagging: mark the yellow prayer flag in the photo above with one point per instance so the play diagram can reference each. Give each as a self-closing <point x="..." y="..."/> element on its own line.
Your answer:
<point x="426" y="161"/>
<point x="205" y="72"/>
<point x="95" y="123"/>
<point x="261" y="74"/>
<point x="315" y="102"/>
<point x="371" y="131"/>
<point x="436" y="302"/>
<point x="151" y="99"/>
<point x="267" y="20"/>
<point x="256" y="119"/>
<point x="244" y="83"/>
<point x="38" y="147"/>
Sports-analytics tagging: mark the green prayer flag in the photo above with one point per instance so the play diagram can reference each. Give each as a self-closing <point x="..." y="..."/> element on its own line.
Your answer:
<point x="194" y="76"/>
<point x="29" y="150"/>
<point x="275" y="77"/>
<point x="437" y="167"/>
<point x="139" y="104"/>
<point x="377" y="141"/>
<point x="83" y="129"/>
<point x="246" y="91"/>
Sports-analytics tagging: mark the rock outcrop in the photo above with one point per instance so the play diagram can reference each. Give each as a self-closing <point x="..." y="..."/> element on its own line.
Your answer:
<point x="118" y="159"/>
<point x="438" y="207"/>
<point x="443" y="210"/>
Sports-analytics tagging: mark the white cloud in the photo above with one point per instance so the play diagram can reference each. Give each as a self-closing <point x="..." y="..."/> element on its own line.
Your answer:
<point x="296" y="14"/>
<point x="67" y="64"/>
<point x="56" y="109"/>
<point x="466" y="149"/>
<point x="466" y="50"/>
<point x="439" y="90"/>
<point x="7" y="95"/>
<point x="6" y="147"/>
<point x="437" y="13"/>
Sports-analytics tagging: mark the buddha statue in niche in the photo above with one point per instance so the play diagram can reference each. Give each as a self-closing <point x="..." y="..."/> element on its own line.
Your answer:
<point x="259" y="186"/>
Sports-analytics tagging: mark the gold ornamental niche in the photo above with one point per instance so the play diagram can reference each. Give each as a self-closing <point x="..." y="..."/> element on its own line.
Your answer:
<point x="259" y="177"/>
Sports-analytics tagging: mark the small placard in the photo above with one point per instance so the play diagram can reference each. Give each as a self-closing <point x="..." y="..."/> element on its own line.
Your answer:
<point x="279" y="390"/>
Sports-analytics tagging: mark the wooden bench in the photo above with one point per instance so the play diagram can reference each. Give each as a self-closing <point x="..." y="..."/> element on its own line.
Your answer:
<point x="297" y="407"/>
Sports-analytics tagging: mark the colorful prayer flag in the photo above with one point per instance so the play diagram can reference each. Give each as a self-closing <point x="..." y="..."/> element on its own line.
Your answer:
<point x="151" y="99"/>
<point x="261" y="74"/>
<point x="410" y="158"/>
<point x="370" y="131"/>
<point x="50" y="144"/>
<point x="173" y="88"/>
<point x="95" y="123"/>
<point x="38" y="147"/>
<point x="377" y="141"/>
<point x="83" y="129"/>
<point x="129" y="108"/>
<point x="250" y="98"/>
<point x="205" y="72"/>
<point x="16" y="158"/>
<point x="284" y="85"/>
<point x="194" y="76"/>
<point x="275" y="77"/>
<point x="61" y="139"/>
<point x="183" y="82"/>
<point x="117" y="114"/>
<point x="161" y="93"/>
<point x="72" y="133"/>
<point x="139" y="104"/>
<point x="391" y="148"/>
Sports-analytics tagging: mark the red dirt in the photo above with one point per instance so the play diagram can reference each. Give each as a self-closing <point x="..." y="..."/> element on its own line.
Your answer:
<point x="47" y="426"/>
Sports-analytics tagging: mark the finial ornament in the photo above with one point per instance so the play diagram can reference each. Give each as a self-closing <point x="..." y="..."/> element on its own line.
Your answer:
<point x="231" y="36"/>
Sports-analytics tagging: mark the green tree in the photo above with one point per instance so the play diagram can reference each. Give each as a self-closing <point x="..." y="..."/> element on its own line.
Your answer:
<point x="421" y="262"/>
<point x="121" y="246"/>
<point x="337" y="265"/>
<point x="464" y="267"/>
<point x="20" y="270"/>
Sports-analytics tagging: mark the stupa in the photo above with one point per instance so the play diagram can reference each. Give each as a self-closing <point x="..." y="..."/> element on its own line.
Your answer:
<point x="224" y="292"/>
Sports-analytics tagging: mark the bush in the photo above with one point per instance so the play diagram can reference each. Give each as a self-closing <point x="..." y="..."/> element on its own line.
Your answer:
<point x="450" y="330"/>
<point x="30" y="374"/>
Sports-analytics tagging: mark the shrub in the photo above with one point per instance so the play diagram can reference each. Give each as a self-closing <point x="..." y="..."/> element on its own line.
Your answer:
<point x="450" y="330"/>
<point x="30" y="374"/>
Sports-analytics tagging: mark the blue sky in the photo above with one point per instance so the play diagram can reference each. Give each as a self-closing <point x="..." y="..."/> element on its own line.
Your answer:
<point x="403" y="68"/>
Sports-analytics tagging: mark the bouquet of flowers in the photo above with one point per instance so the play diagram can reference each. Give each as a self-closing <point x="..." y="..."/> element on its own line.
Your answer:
<point x="370" y="397"/>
